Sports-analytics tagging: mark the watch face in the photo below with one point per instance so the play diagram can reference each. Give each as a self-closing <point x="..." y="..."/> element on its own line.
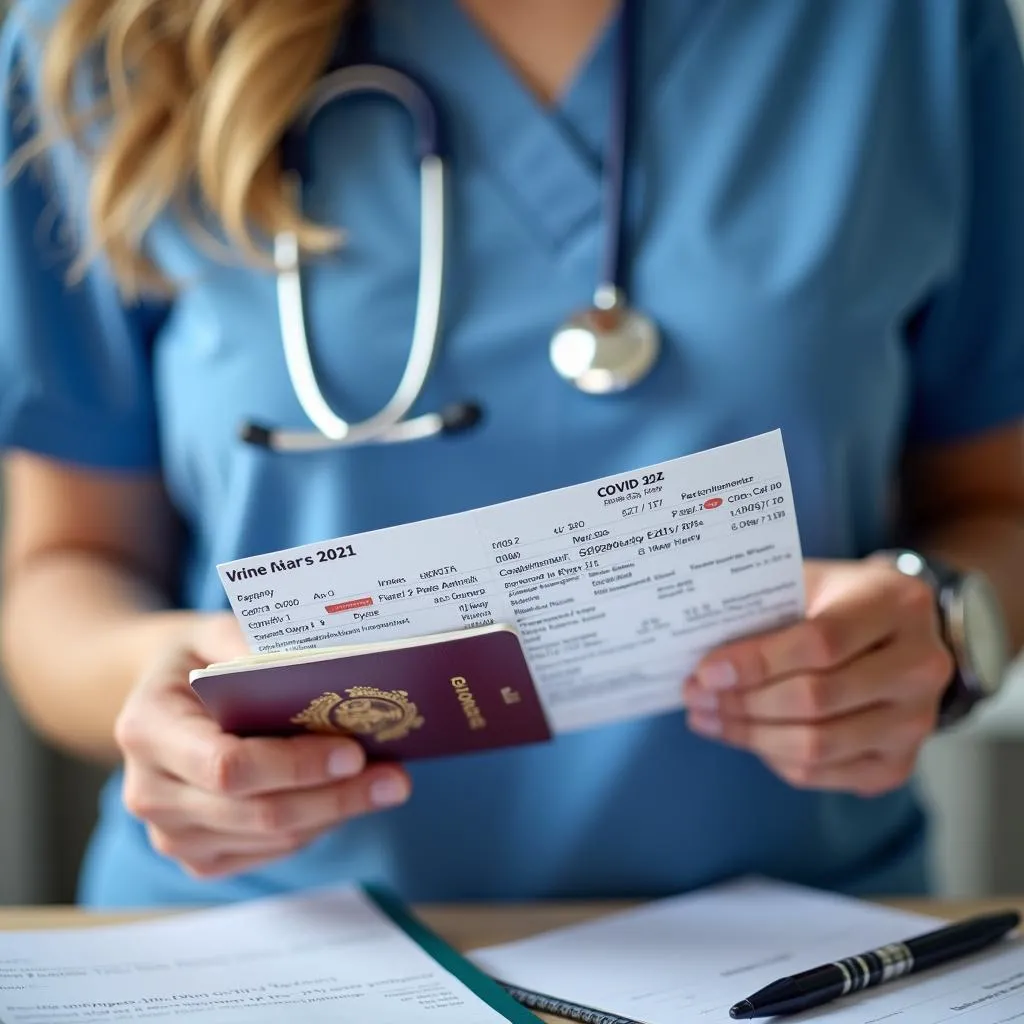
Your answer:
<point x="984" y="633"/>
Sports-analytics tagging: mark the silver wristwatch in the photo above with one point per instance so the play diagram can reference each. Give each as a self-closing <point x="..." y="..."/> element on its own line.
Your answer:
<point x="973" y="626"/>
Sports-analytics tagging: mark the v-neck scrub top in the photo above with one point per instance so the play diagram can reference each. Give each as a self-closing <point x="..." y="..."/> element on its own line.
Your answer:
<point x="826" y="219"/>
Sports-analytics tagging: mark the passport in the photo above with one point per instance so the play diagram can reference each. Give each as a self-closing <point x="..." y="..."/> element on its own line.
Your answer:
<point x="434" y="696"/>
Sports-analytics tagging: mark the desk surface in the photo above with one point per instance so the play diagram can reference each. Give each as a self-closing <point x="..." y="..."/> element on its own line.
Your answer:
<point x="474" y="925"/>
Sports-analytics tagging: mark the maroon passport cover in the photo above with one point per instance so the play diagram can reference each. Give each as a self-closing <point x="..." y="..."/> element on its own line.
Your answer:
<point x="454" y="696"/>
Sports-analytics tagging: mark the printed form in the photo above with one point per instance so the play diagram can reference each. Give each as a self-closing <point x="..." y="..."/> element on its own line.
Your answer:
<point x="616" y="587"/>
<point x="326" y="956"/>
<point x="687" y="959"/>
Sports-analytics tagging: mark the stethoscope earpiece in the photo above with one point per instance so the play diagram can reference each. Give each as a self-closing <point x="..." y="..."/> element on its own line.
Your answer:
<point x="460" y="417"/>
<point x="256" y="434"/>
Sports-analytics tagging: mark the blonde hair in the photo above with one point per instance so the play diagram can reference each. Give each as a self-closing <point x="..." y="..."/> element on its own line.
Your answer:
<point x="195" y="97"/>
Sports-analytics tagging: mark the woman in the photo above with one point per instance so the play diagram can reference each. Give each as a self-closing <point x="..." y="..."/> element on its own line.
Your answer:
<point x="825" y="219"/>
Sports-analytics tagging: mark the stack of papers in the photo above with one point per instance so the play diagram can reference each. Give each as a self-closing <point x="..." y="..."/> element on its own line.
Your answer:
<point x="348" y="954"/>
<point x="689" y="958"/>
<point x="340" y="955"/>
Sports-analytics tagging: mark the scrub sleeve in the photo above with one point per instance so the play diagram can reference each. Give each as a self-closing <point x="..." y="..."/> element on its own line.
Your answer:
<point x="75" y="380"/>
<point x="967" y="342"/>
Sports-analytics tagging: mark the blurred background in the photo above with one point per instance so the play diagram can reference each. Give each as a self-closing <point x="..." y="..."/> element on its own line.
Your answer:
<point x="972" y="779"/>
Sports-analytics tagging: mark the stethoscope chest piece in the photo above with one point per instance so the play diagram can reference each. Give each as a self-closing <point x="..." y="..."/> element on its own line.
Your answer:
<point x="607" y="348"/>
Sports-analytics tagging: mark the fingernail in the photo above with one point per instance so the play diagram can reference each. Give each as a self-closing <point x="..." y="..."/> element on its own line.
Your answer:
<point x="343" y="762"/>
<point x="388" y="791"/>
<point x="718" y="675"/>
<point x="701" y="700"/>
<point x="707" y="725"/>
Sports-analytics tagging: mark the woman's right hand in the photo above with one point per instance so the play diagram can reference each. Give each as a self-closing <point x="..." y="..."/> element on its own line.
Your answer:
<point x="219" y="804"/>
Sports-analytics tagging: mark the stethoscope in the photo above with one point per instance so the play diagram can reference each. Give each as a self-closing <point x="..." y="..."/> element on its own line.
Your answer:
<point x="605" y="349"/>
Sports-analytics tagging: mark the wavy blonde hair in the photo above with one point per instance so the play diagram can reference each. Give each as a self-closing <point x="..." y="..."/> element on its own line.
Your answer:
<point x="195" y="97"/>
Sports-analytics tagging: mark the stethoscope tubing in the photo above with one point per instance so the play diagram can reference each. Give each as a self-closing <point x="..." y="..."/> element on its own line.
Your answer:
<point x="389" y="424"/>
<point x="422" y="350"/>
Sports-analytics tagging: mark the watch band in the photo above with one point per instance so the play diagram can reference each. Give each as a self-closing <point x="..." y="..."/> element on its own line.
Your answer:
<point x="963" y="691"/>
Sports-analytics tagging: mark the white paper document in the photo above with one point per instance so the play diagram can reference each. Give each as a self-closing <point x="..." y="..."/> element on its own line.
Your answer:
<point x="689" y="958"/>
<point x="331" y="956"/>
<point x="616" y="587"/>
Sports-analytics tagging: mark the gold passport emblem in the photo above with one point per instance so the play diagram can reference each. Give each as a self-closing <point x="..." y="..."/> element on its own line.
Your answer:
<point x="365" y="711"/>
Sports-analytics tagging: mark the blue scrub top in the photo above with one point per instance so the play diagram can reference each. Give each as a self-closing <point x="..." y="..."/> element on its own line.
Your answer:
<point x="826" y="219"/>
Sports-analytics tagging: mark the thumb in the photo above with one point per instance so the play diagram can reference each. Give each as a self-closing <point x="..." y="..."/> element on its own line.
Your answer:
<point x="218" y="637"/>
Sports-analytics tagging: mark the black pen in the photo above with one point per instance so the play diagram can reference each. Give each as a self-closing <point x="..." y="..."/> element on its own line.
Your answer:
<point x="822" y="984"/>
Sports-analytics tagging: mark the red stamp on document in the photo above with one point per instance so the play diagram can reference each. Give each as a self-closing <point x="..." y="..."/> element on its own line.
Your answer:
<point x="347" y="606"/>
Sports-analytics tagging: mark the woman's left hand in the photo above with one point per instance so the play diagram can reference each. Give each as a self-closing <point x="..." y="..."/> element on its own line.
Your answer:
<point x="841" y="700"/>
